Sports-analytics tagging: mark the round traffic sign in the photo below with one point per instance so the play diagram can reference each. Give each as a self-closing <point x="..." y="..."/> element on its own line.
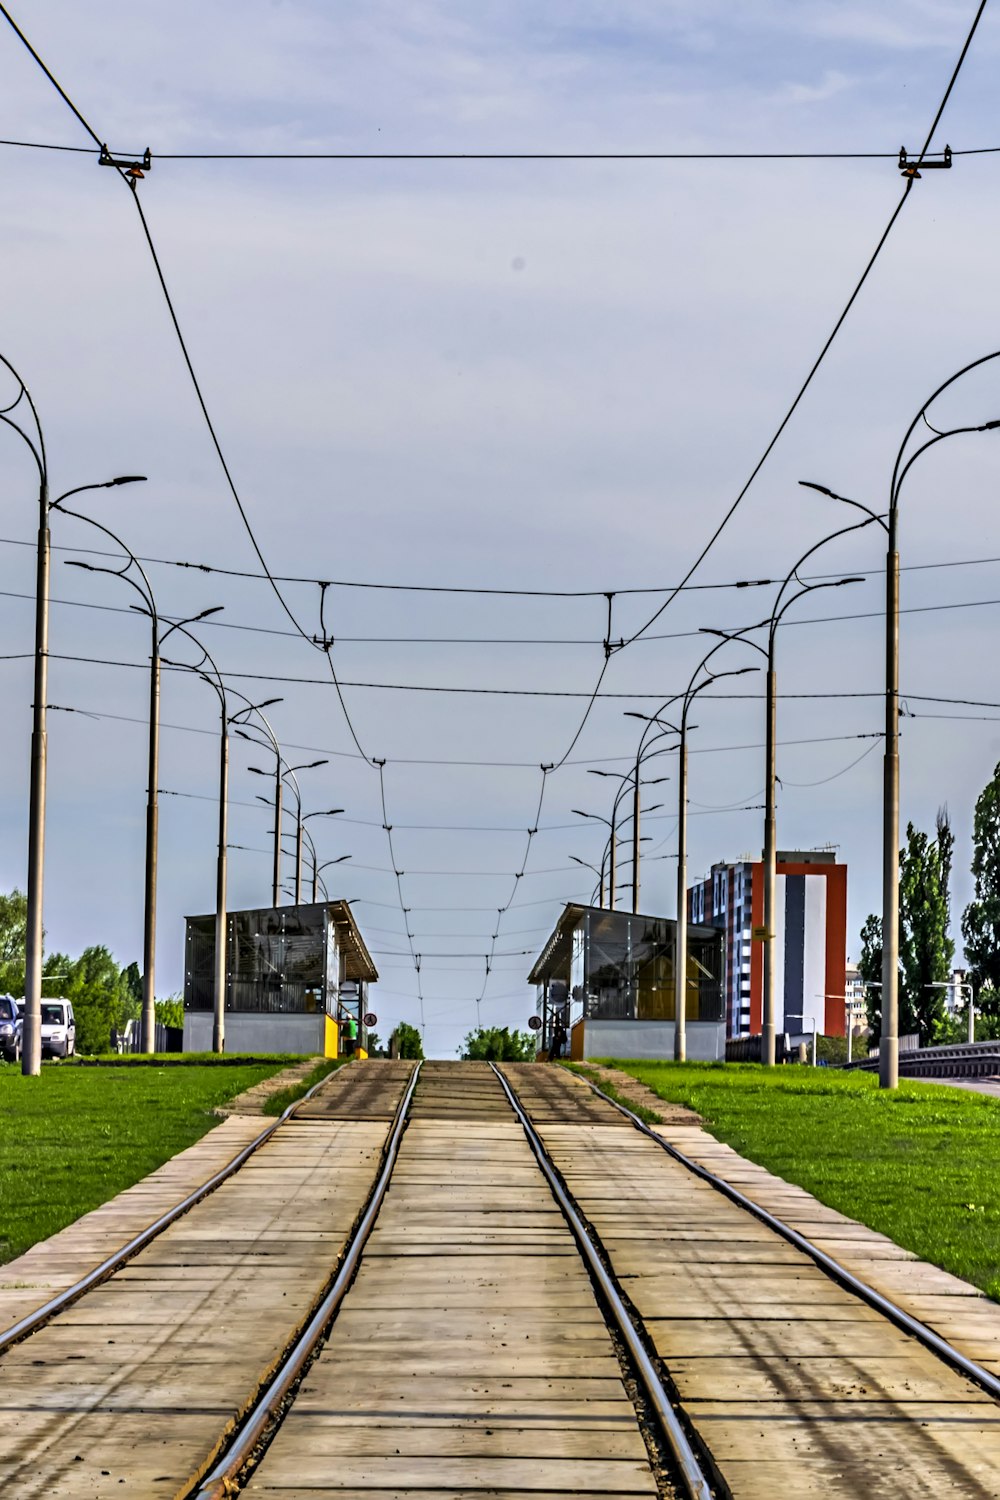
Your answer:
<point x="535" y="1022"/>
<point x="370" y="1018"/>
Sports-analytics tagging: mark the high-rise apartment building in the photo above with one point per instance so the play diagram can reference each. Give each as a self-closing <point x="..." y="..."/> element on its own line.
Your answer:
<point x="810" y="940"/>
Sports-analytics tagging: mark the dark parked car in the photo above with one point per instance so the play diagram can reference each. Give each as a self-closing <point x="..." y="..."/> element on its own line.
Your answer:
<point x="10" y="1030"/>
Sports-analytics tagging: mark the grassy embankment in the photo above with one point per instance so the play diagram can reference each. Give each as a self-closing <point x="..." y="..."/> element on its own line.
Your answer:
<point x="74" y="1137"/>
<point x="919" y="1164"/>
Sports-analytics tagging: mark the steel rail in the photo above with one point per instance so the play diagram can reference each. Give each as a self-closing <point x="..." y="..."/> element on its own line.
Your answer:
<point x="57" y="1304"/>
<point x="218" y="1483"/>
<point x="890" y="1310"/>
<point x="696" y="1484"/>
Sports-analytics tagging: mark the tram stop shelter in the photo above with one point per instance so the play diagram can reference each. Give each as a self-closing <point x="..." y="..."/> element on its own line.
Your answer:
<point x="608" y="978"/>
<point x="295" y="977"/>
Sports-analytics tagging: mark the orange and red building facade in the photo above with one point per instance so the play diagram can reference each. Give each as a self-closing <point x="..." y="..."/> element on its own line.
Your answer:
<point x="810" y="940"/>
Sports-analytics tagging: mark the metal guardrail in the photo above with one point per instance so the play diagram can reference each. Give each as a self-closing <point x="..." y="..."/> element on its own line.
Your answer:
<point x="748" y="1048"/>
<point x="960" y="1060"/>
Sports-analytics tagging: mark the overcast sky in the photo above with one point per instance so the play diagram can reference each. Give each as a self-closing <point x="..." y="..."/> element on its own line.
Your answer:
<point x="510" y="375"/>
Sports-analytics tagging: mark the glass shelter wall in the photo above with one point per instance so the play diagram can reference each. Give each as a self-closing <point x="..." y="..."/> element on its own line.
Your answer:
<point x="627" y="964"/>
<point x="276" y="962"/>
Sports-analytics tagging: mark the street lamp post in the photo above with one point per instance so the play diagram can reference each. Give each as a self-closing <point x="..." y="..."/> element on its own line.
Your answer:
<point x="311" y="850"/>
<point x="279" y="779"/>
<point x="598" y="872"/>
<point x="680" y="940"/>
<point x="634" y="776"/>
<point x="28" y="427"/>
<point x="271" y="743"/>
<point x="144" y="589"/>
<point x="782" y="604"/>
<point x="215" y="681"/>
<point x="888" y="1064"/>
<point x="608" y="823"/>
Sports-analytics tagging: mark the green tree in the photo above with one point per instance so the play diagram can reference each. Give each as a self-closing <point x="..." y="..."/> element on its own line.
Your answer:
<point x="870" y="969"/>
<point x="170" y="1012"/>
<point x="100" y="996"/>
<point x="132" y="980"/>
<point x="981" y="919"/>
<point x="13" y="930"/>
<point x="408" y="1043"/>
<point x="926" y="951"/>
<point x="498" y="1044"/>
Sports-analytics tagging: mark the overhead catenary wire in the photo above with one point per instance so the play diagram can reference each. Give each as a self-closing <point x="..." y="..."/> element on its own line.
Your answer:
<point x="501" y="155"/>
<point x="738" y="584"/>
<point x="516" y="765"/>
<point x="591" y="698"/>
<point x="828" y="343"/>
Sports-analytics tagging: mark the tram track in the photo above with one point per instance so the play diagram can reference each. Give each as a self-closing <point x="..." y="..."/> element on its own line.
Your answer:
<point x="522" y="1302"/>
<point x="120" y="1257"/>
<point x="692" y="1467"/>
<point x="779" y="1382"/>
<point x="81" y="1392"/>
<point x="891" y="1311"/>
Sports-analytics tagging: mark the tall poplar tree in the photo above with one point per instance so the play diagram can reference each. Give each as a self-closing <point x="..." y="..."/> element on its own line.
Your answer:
<point x="981" y="920"/>
<point x="926" y="950"/>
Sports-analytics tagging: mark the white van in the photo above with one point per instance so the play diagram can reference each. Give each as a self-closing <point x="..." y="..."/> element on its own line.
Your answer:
<point x="58" y="1029"/>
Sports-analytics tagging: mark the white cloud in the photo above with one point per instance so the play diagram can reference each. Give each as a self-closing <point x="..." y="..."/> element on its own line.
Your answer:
<point x="830" y="85"/>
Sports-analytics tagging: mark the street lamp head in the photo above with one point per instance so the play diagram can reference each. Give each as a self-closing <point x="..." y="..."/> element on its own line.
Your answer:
<point x="214" y="609"/>
<point x="633" y="713"/>
<point x="989" y="426"/>
<point x="268" y="703"/>
<point x="821" y="489"/>
<point x="87" y="567"/>
<point x="257" y="770"/>
<point x="842" y="581"/>
<point x="126" y="479"/>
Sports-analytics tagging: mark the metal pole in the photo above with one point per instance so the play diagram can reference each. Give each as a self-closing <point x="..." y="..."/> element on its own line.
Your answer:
<point x="298" y="857"/>
<point x="850" y="1039"/>
<point x="276" y="877"/>
<point x="888" y="1055"/>
<point x="680" y="946"/>
<point x="148" y="1025"/>
<point x="612" y="862"/>
<point x="31" y="1047"/>
<point x="972" y="1013"/>
<point x="221" y="917"/>
<point x="315" y="860"/>
<point x="635" y="838"/>
<point x="770" y="1008"/>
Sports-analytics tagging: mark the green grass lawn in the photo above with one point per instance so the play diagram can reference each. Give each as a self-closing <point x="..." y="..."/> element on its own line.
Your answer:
<point x="920" y="1165"/>
<point x="77" y="1135"/>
